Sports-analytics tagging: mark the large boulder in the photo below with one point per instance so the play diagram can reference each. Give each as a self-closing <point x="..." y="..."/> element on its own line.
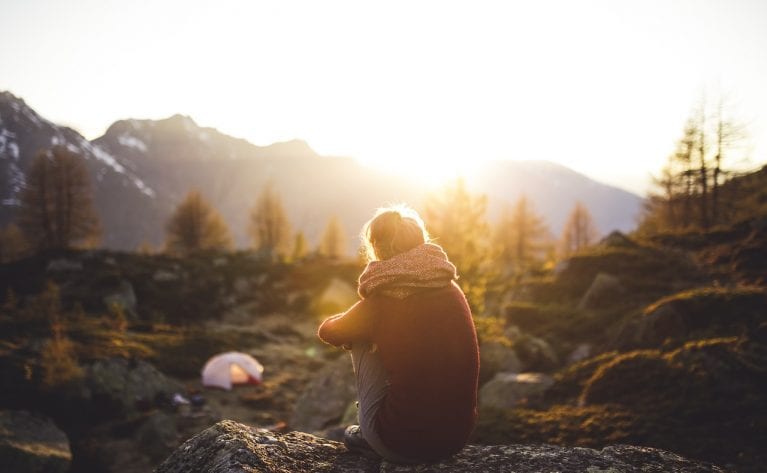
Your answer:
<point x="534" y="353"/>
<point x="495" y="357"/>
<point x="32" y="444"/>
<point x="326" y="397"/>
<point x="604" y="291"/>
<point x="229" y="447"/>
<point x="122" y="295"/>
<point x="707" y="312"/>
<point x="507" y="390"/>
<point x="121" y="386"/>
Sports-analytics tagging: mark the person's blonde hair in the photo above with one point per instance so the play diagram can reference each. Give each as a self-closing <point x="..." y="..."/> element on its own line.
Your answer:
<point x="391" y="231"/>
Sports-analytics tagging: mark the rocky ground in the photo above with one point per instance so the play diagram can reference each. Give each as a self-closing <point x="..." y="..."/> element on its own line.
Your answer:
<point x="229" y="447"/>
<point x="657" y="344"/>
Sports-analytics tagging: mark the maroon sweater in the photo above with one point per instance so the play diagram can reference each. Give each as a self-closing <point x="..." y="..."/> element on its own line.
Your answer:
<point x="428" y="345"/>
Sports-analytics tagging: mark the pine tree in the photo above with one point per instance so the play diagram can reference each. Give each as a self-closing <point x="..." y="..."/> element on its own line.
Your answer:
<point x="269" y="225"/>
<point x="579" y="231"/>
<point x="333" y="241"/>
<point x="56" y="206"/>
<point x="195" y="226"/>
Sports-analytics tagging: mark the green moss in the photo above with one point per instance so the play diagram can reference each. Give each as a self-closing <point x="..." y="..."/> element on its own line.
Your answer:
<point x="570" y="381"/>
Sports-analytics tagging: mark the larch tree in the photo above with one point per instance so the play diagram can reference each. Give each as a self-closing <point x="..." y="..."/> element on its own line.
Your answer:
<point x="455" y="218"/>
<point x="13" y="245"/>
<point x="57" y="205"/>
<point x="690" y="184"/>
<point x="579" y="231"/>
<point x="196" y="226"/>
<point x="333" y="241"/>
<point x="269" y="226"/>
<point x="300" y="247"/>
<point x="521" y="237"/>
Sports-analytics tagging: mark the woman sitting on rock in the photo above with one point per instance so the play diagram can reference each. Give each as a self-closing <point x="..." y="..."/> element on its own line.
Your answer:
<point x="413" y="346"/>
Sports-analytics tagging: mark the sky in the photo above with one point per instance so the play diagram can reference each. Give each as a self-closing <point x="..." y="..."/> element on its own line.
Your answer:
<point x="424" y="88"/>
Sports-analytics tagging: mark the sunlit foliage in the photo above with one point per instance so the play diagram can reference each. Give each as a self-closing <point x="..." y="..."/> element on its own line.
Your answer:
<point x="333" y="242"/>
<point x="522" y="238"/>
<point x="456" y="220"/>
<point x="269" y="227"/>
<point x="195" y="226"/>
<point x="579" y="231"/>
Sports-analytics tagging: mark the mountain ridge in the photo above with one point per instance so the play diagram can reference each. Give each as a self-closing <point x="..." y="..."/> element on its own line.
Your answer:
<point x="143" y="168"/>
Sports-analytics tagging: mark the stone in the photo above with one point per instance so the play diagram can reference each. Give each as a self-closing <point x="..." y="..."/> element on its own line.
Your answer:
<point x="122" y="295"/>
<point x="241" y="286"/>
<point x="561" y="267"/>
<point x="158" y="435"/>
<point x="535" y="353"/>
<point x="604" y="291"/>
<point x="507" y="390"/>
<point x="32" y="444"/>
<point x="495" y="357"/>
<point x="326" y="397"/>
<point x="579" y="353"/>
<point x="162" y="275"/>
<point x="617" y="239"/>
<point x="230" y="447"/>
<point x="337" y="296"/>
<point x="122" y="384"/>
<point x="63" y="264"/>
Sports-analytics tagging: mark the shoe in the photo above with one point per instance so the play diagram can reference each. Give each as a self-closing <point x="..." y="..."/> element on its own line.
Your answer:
<point x="355" y="442"/>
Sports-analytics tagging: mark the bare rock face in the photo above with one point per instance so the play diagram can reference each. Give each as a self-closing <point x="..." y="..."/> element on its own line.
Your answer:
<point x="229" y="447"/>
<point x="326" y="398"/>
<point x="32" y="444"/>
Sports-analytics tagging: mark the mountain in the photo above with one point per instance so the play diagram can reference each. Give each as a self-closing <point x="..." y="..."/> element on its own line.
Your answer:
<point x="554" y="189"/>
<point x="143" y="168"/>
<point x="121" y="197"/>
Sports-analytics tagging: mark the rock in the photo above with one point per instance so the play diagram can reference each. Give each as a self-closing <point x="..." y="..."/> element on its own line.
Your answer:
<point x="580" y="353"/>
<point x="495" y="357"/>
<point x="337" y="296"/>
<point x="617" y="239"/>
<point x="32" y="444"/>
<point x="229" y="447"/>
<point x="507" y="390"/>
<point x="706" y="312"/>
<point x="158" y="435"/>
<point x="604" y="291"/>
<point x="326" y="397"/>
<point x="561" y="267"/>
<point x="162" y="275"/>
<point x="123" y="296"/>
<point x="120" y="384"/>
<point x="534" y="353"/>
<point x="241" y="286"/>
<point x="63" y="264"/>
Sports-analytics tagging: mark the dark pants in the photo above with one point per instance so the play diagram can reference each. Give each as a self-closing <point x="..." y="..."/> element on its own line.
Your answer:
<point x="371" y="390"/>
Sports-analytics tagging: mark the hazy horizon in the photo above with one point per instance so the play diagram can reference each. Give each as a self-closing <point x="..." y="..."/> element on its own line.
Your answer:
<point x="425" y="90"/>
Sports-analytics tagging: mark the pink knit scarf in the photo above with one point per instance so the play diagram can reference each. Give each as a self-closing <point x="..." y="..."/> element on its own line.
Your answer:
<point x="423" y="267"/>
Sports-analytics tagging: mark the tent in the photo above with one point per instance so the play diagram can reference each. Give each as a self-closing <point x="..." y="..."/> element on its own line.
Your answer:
<point x="227" y="369"/>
